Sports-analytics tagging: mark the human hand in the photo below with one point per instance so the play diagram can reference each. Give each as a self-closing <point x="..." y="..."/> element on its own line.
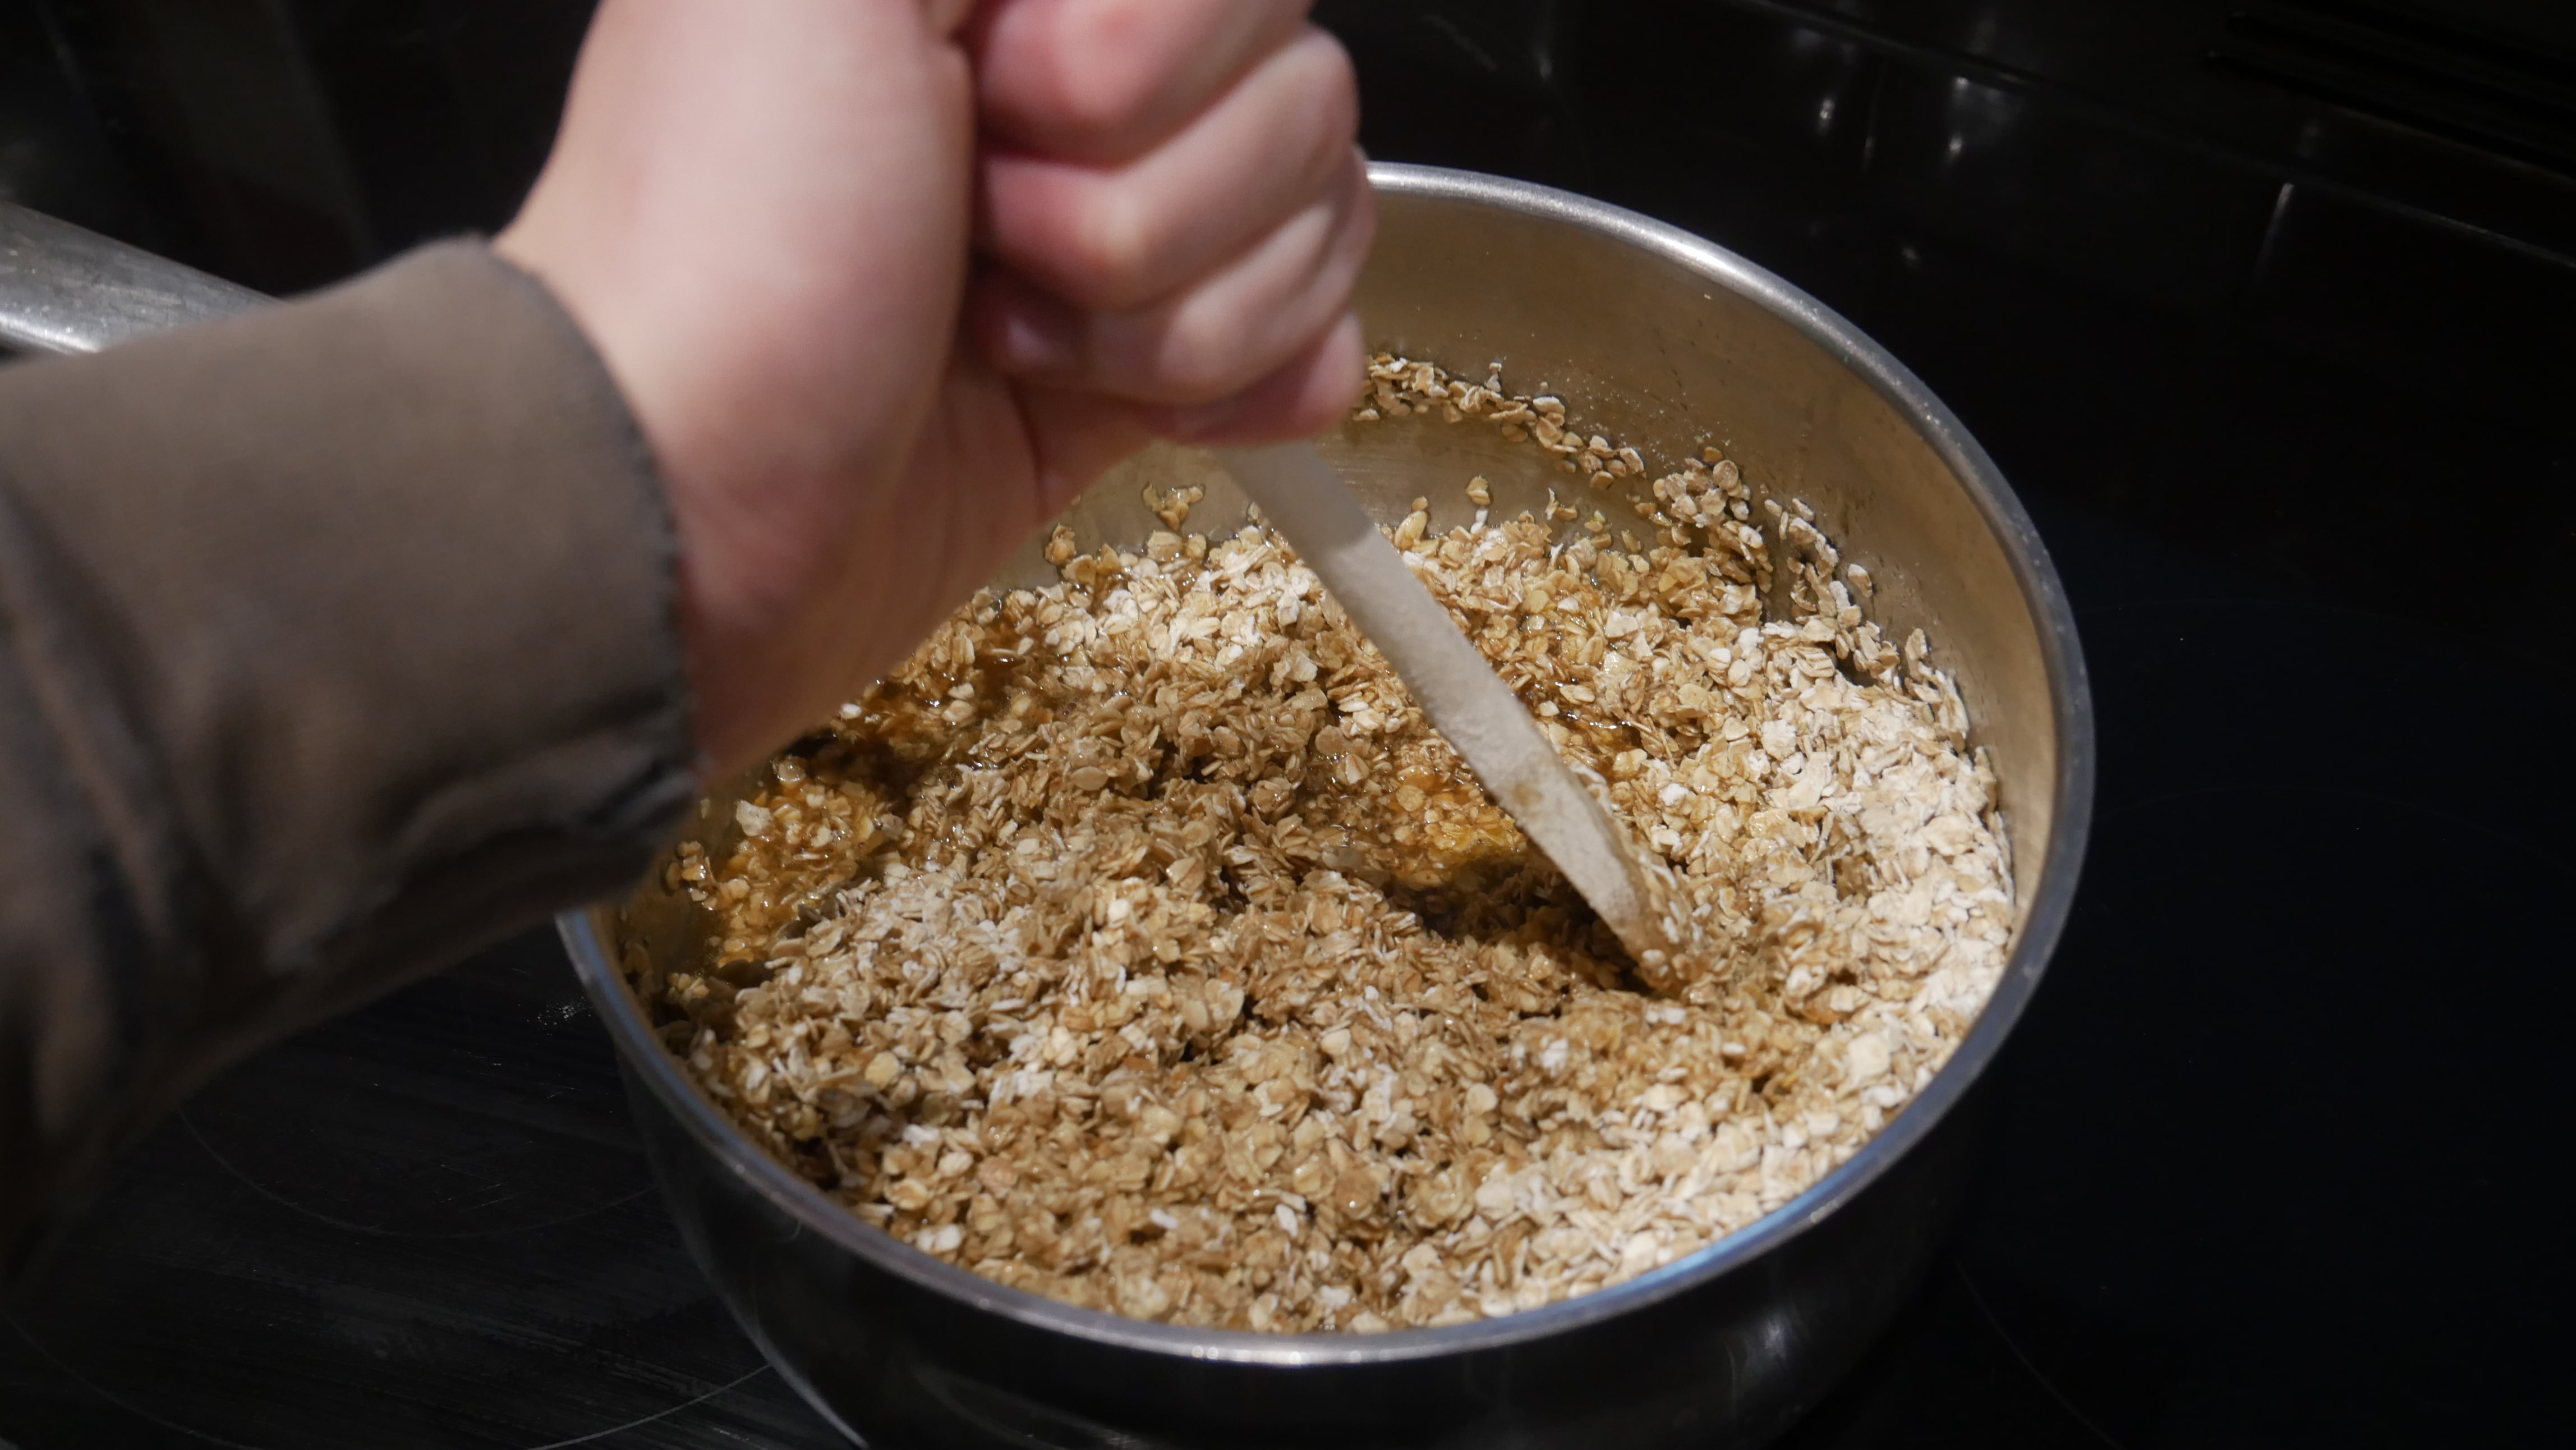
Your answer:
<point x="761" y="215"/>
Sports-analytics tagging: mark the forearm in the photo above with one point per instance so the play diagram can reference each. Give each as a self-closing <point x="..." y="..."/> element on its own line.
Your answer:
<point x="337" y="639"/>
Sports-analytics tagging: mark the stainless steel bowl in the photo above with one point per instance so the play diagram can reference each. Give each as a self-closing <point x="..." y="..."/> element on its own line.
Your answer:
<point x="1669" y="342"/>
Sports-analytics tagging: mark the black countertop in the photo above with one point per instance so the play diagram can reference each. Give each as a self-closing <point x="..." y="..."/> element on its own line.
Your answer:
<point x="2291" y="409"/>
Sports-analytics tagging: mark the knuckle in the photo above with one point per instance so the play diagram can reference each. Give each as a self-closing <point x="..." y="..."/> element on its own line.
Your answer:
<point x="1086" y="237"/>
<point x="1358" y="230"/>
<point x="1095" y="88"/>
<point x="1201" y="356"/>
<point x="1106" y="259"/>
<point x="1336" y="87"/>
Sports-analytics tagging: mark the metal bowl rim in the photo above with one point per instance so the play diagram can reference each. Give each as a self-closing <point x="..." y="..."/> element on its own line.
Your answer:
<point x="587" y="932"/>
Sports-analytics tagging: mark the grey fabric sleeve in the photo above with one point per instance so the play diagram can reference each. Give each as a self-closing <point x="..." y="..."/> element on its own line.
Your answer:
<point x="334" y="641"/>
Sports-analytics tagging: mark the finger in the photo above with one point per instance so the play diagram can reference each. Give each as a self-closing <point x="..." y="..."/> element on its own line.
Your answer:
<point x="1104" y="80"/>
<point x="1304" y="396"/>
<point x="1208" y="342"/>
<point x="1077" y="436"/>
<point x="1119" y="237"/>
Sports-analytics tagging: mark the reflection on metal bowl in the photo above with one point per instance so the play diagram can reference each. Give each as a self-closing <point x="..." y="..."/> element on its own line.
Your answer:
<point x="1667" y="341"/>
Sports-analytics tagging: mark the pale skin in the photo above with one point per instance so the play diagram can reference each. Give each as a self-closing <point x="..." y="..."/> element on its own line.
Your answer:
<point x="886" y="285"/>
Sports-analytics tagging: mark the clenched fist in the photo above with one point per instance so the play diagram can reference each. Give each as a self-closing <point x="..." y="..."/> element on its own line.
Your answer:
<point x="886" y="285"/>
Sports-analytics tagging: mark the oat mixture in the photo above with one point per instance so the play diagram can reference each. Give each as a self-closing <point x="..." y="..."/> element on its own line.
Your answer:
<point x="1139" y="944"/>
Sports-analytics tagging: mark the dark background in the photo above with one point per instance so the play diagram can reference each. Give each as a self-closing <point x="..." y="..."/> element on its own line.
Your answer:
<point x="2267" y="309"/>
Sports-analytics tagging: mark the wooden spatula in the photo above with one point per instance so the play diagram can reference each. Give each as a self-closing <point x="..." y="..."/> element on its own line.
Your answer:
<point x="1468" y="703"/>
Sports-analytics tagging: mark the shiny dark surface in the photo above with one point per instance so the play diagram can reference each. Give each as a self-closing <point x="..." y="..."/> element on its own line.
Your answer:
<point x="427" y="1224"/>
<point x="2273" y="1159"/>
